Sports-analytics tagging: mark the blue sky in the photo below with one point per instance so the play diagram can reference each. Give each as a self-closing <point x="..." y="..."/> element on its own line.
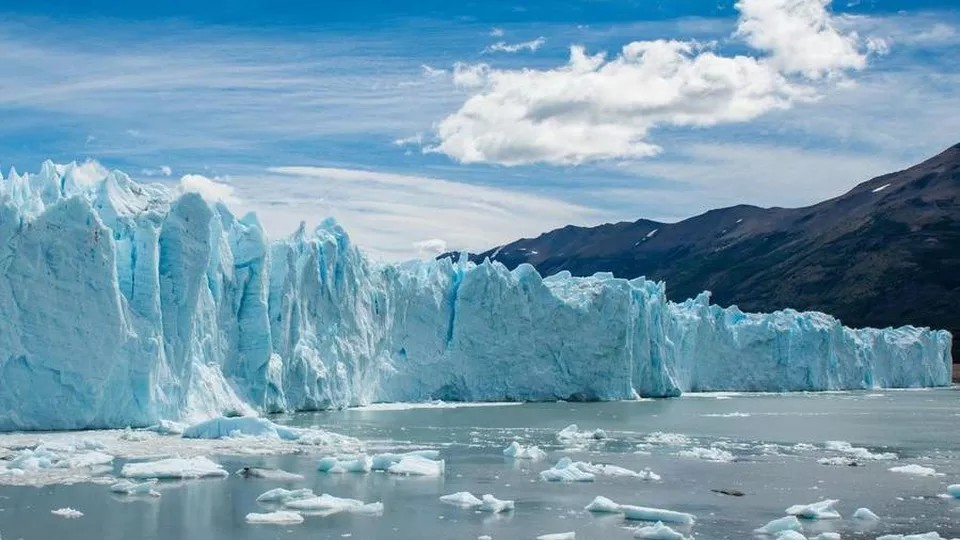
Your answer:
<point x="419" y="125"/>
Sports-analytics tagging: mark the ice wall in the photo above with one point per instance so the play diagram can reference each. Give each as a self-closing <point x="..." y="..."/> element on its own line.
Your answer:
<point x="124" y="303"/>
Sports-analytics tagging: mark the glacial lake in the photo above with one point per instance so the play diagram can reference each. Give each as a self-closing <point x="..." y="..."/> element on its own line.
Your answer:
<point x="768" y="447"/>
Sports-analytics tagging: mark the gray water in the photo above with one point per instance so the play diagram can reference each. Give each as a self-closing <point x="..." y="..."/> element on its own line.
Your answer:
<point x="920" y="426"/>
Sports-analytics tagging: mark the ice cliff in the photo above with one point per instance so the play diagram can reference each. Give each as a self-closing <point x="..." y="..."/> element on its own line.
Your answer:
<point x="124" y="303"/>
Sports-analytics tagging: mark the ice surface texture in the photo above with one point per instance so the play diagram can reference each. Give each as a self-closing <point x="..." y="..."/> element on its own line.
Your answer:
<point x="126" y="304"/>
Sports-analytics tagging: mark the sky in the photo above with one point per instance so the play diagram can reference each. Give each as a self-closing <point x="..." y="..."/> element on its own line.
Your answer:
<point x="440" y="125"/>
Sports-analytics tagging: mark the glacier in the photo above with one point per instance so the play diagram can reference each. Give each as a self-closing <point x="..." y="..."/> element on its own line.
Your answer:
<point x="126" y="303"/>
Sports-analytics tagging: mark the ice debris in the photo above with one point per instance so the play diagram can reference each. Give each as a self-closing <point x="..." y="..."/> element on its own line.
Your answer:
<point x="382" y="462"/>
<point x="567" y="470"/>
<point x="350" y="464"/>
<point x="196" y="467"/>
<point x="517" y="451"/>
<point x="277" y="475"/>
<point x="417" y="466"/>
<point x="818" y="510"/>
<point x="67" y="512"/>
<point x="252" y="426"/>
<point x="279" y="517"/>
<point x="281" y="496"/>
<point x="643" y="513"/>
<point x="915" y="470"/>
<point x="572" y="436"/>
<point x="857" y="452"/>
<point x="827" y="536"/>
<point x="777" y="526"/>
<point x="558" y="536"/>
<point x="128" y="487"/>
<point x="708" y="454"/>
<point x="790" y="535"/>
<point x="463" y="499"/>
<point x="495" y="505"/>
<point x="657" y="531"/>
<point x="603" y="505"/>
<point x="191" y="313"/>
<point x="933" y="535"/>
<point x="328" y="504"/>
<point x="864" y="514"/>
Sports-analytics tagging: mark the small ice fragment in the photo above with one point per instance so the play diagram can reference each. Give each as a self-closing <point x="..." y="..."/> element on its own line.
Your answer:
<point x="865" y="514"/>
<point x="641" y="513"/>
<point x="707" y="454"/>
<point x="280" y="517"/>
<point x="463" y="499"/>
<point x="413" y="465"/>
<point x="280" y="495"/>
<point x="954" y="490"/>
<point x="566" y="471"/>
<point x="777" y="526"/>
<point x="381" y="462"/>
<point x="933" y="535"/>
<point x="818" y="510"/>
<point x="827" y="536"/>
<point x="603" y="505"/>
<point x="790" y="535"/>
<point x="269" y="474"/>
<point x="353" y="464"/>
<point x="838" y="461"/>
<point x="516" y="451"/>
<point x="328" y="504"/>
<point x="495" y="505"/>
<point x="197" y="467"/>
<point x="168" y="427"/>
<point x="658" y="531"/>
<point x="916" y="470"/>
<point x="136" y="488"/>
<point x="571" y="435"/>
<point x="558" y="536"/>
<point x="67" y="512"/>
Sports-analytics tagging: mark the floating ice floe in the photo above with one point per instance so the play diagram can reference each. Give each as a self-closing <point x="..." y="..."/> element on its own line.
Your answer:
<point x="196" y="467"/>
<point x="346" y="464"/>
<point x="463" y="499"/>
<point x="128" y="487"/>
<point x="643" y="513"/>
<point x="382" y="462"/>
<point x="261" y="428"/>
<point x="839" y="461"/>
<point x="328" y="504"/>
<point x="708" y="454"/>
<point x="558" y="536"/>
<point x="954" y="490"/>
<point x="277" y="475"/>
<point x="281" y="496"/>
<point x="864" y="514"/>
<point x="417" y="466"/>
<point x="791" y="535"/>
<point x="933" y="535"/>
<point x="517" y="451"/>
<point x="280" y="517"/>
<point x="67" y="512"/>
<point x="137" y="436"/>
<point x="818" y="510"/>
<point x="567" y="470"/>
<point x="858" y="452"/>
<point x="168" y="427"/>
<point x="603" y="505"/>
<point x="667" y="439"/>
<point x="572" y="436"/>
<point x="657" y="531"/>
<point x="777" y="526"/>
<point x="495" y="505"/>
<point x="827" y="536"/>
<point x="915" y="470"/>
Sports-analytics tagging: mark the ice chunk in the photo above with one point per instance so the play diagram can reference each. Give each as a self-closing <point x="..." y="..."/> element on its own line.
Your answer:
<point x="280" y="517"/>
<point x="707" y="454"/>
<point x="339" y="465"/>
<point x="197" y="467"/>
<point x="136" y="488"/>
<point x="566" y="471"/>
<point x="954" y="490"/>
<point x="857" y="452"/>
<point x="67" y="512"/>
<point x="657" y="531"/>
<point x="865" y="514"/>
<point x="281" y="496"/>
<point x="328" y="504"/>
<point x="818" y="510"/>
<point x="933" y="535"/>
<point x="667" y="439"/>
<point x="277" y="475"/>
<point x="380" y="462"/>
<point x="642" y="513"/>
<point x="558" y="536"/>
<point x="414" y="465"/>
<point x="827" y="536"/>
<point x="516" y="451"/>
<point x="463" y="499"/>
<point x="168" y="427"/>
<point x="571" y="435"/>
<point x="839" y="461"/>
<point x="603" y="505"/>
<point x="916" y="470"/>
<point x="495" y="505"/>
<point x="790" y="535"/>
<point x="777" y="526"/>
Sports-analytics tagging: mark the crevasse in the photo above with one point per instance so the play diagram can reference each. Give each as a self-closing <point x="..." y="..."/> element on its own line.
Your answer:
<point x="125" y="303"/>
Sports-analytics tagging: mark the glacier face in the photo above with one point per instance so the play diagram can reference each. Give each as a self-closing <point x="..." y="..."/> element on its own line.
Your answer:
<point x="126" y="303"/>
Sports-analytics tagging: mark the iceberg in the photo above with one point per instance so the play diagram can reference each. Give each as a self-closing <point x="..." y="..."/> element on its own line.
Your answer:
<point x="954" y="490"/>
<point x="67" y="512"/>
<point x="328" y="505"/>
<point x="642" y="513"/>
<point x="777" y="526"/>
<point x="865" y="514"/>
<point x="282" y="496"/>
<point x="657" y="531"/>
<point x="915" y="470"/>
<point x="603" y="505"/>
<point x="818" y="510"/>
<point x="340" y="465"/>
<point x="518" y="451"/>
<point x="126" y="487"/>
<point x="197" y="467"/>
<point x="463" y="499"/>
<point x="129" y="304"/>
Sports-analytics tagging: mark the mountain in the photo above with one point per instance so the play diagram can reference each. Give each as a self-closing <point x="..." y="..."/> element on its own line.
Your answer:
<point x="886" y="253"/>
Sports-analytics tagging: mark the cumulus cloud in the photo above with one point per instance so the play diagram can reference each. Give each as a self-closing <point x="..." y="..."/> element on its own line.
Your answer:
<point x="428" y="249"/>
<point x="503" y="46"/>
<point x="209" y="189"/>
<point x="599" y="108"/>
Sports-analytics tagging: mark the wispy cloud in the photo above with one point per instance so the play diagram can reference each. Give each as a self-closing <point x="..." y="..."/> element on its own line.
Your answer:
<point x="503" y="46"/>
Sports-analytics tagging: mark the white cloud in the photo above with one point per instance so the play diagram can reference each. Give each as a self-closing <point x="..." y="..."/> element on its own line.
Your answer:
<point x="496" y="32"/>
<point x="387" y="213"/>
<point x="503" y="46"/>
<point x="431" y="72"/>
<point x="428" y="249"/>
<point x="209" y="189"/>
<point x="163" y="170"/>
<point x="595" y="108"/>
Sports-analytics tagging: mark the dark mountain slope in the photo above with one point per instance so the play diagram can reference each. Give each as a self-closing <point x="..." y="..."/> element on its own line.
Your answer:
<point x="886" y="253"/>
